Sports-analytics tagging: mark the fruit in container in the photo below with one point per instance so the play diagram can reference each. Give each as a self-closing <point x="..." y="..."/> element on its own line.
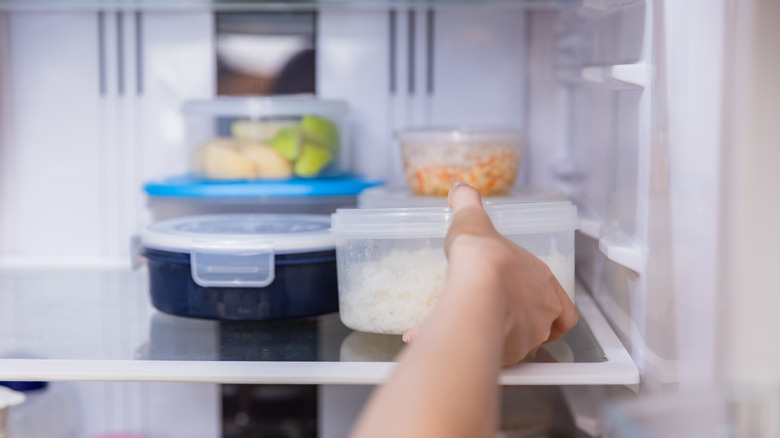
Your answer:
<point x="269" y="149"/>
<point x="312" y="159"/>
<point x="221" y="158"/>
<point x="268" y="163"/>
<point x="321" y="130"/>
<point x="266" y="130"/>
<point x="287" y="142"/>
<point x="258" y="130"/>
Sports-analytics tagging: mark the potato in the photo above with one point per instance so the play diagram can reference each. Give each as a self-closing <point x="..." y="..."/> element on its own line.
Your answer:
<point x="220" y="158"/>
<point x="268" y="163"/>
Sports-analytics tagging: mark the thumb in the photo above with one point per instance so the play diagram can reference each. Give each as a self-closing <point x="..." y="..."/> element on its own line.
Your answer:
<point x="468" y="215"/>
<point x="462" y="195"/>
<point x="410" y="335"/>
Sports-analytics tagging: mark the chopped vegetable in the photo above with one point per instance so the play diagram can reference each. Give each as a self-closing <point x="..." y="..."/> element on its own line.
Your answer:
<point x="491" y="170"/>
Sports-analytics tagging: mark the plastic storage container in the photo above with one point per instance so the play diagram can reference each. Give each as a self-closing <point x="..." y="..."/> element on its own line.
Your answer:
<point x="242" y="267"/>
<point x="190" y="196"/>
<point x="246" y="138"/>
<point x="434" y="158"/>
<point x="391" y="264"/>
<point x="395" y="197"/>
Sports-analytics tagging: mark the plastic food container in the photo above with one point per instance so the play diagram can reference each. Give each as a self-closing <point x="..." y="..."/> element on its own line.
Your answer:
<point x="248" y="138"/>
<point x="190" y="196"/>
<point x="391" y="264"/>
<point x="242" y="267"/>
<point x="394" y="197"/>
<point x="434" y="158"/>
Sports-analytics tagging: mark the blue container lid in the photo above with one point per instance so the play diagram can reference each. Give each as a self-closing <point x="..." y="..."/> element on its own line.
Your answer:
<point x="194" y="187"/>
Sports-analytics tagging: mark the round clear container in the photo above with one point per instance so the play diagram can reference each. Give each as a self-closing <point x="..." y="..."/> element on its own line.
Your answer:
<point x="267" y="138"/>
<point x="434" y="158"/>
<point x="391" y="264"/>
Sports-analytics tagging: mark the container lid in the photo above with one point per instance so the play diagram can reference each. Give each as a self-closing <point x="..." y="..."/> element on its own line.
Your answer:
<point x="284" y="233"/>
<point x="433" y="222"/>
<point x="194" y="187"/>
<point x="394" y="197"/>
<point x="238" y="250"/>
<point x="459" y="134"/>
<point x="259" y="107"/>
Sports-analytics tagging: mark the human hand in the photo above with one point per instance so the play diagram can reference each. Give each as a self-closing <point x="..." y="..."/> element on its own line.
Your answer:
<point x="535" y="307"/>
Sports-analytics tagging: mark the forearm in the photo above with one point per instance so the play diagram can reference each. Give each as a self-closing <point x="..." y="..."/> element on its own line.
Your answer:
<point x="445" y="383"/>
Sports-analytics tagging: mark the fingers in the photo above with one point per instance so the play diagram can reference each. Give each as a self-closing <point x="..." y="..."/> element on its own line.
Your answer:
<point x="468" y="216"/>
<point x="566" y="320"/>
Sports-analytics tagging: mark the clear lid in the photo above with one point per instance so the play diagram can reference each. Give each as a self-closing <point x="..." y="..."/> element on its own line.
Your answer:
<point x="239" y="250"/>
<point x="433" y="222"/>
<point x="260" y="107"/>
<point x="394" y="197"/>
<point x="459" y="134"/>
<point x="283" y="233"/>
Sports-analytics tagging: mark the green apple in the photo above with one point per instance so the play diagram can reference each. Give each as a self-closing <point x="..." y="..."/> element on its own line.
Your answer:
<point x="287" y="142"/>
<point x="312" y="159"/>
<point x="321" y="130"/>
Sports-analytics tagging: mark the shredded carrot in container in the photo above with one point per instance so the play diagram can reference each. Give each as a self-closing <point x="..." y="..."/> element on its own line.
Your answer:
<point x="490" y="168"/>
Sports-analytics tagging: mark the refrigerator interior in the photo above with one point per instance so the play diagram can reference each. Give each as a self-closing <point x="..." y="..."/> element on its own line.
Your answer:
<point x="620" y="101"/>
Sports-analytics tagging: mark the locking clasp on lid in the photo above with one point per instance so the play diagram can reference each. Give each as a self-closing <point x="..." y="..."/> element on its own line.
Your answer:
<point x="247" y="263"/>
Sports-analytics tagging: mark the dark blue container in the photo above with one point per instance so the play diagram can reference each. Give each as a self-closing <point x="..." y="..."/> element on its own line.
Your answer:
<point x="242" y="267"/>
<point x="304" y="285"/>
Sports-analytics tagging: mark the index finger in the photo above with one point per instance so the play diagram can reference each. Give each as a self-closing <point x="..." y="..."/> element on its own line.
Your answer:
<point x="468" y="215"/>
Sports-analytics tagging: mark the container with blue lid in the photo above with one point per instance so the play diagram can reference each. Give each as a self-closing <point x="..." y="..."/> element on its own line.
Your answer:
<point x="189" y="195"/>
<point x="234" y="138"/>
<point x="242" y="266"/>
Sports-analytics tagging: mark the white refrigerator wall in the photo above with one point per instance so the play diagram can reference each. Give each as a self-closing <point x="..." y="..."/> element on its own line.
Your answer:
<point x="90" y="111"/>
<point x="749" y="289"/>
<point x="419" y="66"/>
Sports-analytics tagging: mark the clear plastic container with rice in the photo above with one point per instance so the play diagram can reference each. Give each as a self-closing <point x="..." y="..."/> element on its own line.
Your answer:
<point x="277" y="138"/>
<point x="434" y="158"/>
<point x="391" y="264"/>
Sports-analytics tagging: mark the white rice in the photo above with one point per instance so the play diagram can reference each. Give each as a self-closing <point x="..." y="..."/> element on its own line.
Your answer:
<point x="397" y="292"/>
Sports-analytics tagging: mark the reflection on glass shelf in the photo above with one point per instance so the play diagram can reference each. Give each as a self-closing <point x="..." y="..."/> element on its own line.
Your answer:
<point x="106" y="315"/>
